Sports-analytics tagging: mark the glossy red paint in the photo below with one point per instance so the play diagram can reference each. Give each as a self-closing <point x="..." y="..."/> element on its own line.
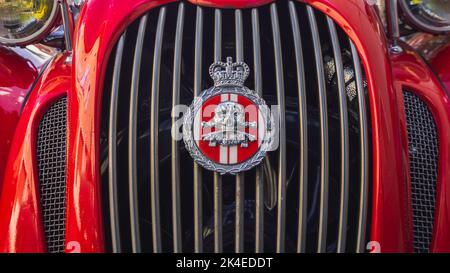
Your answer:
<point x="236" y="4"/>
<point x="13" y="90"/>
<point x="21" y="227"/>
<point x="93" y="44"/>
<point x="411" y="73"/>
<point x="440" y="64"/>
<point x="26" y="62"/>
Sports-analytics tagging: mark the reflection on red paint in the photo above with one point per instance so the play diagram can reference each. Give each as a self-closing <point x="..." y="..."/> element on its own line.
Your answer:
<point x="413" y="74"/>
<point x="98" y="30"/>
<point x="13" y="89"/>
<point x="21" y="227"/>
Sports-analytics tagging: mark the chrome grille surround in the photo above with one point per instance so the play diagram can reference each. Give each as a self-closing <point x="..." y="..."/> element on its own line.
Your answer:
<point x="299" y="199"/>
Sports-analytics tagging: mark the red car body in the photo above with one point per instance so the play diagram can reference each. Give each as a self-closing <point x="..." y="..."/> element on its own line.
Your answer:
<point x="98" y="29"/>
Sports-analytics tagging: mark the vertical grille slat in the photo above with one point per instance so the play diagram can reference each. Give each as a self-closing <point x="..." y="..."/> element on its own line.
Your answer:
<point x="303" y="125"/>
<point x="423" y="146"/>
<point x="281" y="211"/>
<point x="217" y="35"/>
<point x="239" y="36"/>
<point x="259" y="192"/>
<point x="198" y="206"/>
<point x="343" y="206"/>
<point x="295" y="200"/>
<point x="112" y="149"/>
<point x="176" y="198"/>
<point x="154" y="120"/>
<point x="240" y="179"/>
<point x="51" y="161"/>
<point x="323" y="217"/>
<point x="132" y="131"/>
<point x="364" y="174"/>
<point x="239" y="218"/>
<point x="218" y="238"/>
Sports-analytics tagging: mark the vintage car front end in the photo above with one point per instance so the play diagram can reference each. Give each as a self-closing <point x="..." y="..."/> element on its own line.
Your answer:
<point x="362" y="121"/>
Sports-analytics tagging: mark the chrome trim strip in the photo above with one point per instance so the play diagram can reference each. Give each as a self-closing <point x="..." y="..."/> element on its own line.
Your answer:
<point x="198" y="206"/>
<point x="303" y="136"/>
<point x="154" y="133"/>
<point x="68" y="28"/>
<point x="362" y="214"/>
<point x="259" y="221"/>
<point x="112" y="148"/>
<point x="281" y="209"/>
<point x="132" y="136"/>
<point x="176" y="199"/>
<point x="240" y="178"/>
<point x="239" y="224"/>
<point x="323" y="213"/>
<point x="343" y="205"/>
<point x="218" y="239"/>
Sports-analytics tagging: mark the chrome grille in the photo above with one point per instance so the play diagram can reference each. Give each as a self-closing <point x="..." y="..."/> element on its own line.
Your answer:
<point x="311" y="195"/>
<point x="423" y="160"/>
<point x="51" y="159"/>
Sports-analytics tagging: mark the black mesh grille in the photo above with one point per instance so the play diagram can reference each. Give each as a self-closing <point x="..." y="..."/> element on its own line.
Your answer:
<point x="423" y="157"/>
<point x="51" y="157"/>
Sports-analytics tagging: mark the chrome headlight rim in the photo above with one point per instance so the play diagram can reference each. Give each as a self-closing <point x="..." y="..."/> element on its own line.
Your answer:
<point x="37" y="35"/>
<point x="421" y="23"/>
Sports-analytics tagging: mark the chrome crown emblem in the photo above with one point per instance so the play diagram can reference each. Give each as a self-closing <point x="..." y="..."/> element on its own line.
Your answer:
<point x="229" y="73"/>
<point x="226" y="129"/>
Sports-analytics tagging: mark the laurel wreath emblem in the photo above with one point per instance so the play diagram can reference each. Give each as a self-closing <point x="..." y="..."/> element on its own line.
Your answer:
<point x="188" y="125"/>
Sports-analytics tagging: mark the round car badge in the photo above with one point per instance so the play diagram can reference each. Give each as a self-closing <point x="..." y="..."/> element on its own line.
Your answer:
<point x="226" y="129"/>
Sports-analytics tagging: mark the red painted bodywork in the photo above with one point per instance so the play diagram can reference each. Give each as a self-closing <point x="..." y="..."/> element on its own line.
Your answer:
<point x="440" y="65"/>
<point x="13" y="91"/>
<point x="93" y="44"/>
<point x="20" y="222"/>
<point x="27" y="63"/>
<point x="412" y="74"/>
<point x="97" y="31"/>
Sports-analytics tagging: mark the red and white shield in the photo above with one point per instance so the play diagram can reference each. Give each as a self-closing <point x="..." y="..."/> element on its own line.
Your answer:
<point x="229" y="128"/>
<point x="226" y="128"/>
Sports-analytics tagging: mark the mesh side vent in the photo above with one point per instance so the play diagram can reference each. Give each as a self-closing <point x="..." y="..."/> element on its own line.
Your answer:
<point x="423" y="157"/>
<point x="51" y="158"/>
